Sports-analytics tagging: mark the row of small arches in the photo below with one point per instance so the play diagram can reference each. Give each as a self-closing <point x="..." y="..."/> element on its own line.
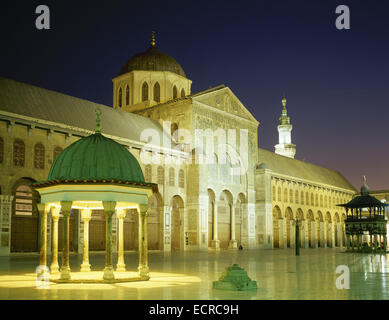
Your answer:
<point x="156" y="93"/>
<point x="306" y="198"/>
<point x="161" y="176"/>
<point x="310" y="216"/>
<point x="19" y="153"/>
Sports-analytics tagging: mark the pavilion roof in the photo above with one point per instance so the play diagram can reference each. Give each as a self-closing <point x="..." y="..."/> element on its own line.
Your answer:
<point x="363" y="201"/>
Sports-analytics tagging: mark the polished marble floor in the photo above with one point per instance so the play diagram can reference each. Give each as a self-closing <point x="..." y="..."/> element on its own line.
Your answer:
<point x="189" y="275"/>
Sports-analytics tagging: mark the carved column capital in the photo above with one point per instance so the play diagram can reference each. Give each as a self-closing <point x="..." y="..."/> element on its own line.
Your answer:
<point x="86" y="214"/>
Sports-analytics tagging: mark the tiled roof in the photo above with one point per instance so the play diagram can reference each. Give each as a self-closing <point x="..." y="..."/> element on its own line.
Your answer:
<point x="303" y="170"/>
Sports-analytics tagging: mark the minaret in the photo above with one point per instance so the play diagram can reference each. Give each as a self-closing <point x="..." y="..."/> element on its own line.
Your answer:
<point x="285" y="147"/>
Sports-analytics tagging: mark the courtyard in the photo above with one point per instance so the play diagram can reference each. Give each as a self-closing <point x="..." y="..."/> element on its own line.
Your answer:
<point x="189" y="276"/>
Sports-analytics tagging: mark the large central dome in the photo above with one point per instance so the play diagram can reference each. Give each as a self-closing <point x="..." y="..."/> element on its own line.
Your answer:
<point x="153" y="60"/>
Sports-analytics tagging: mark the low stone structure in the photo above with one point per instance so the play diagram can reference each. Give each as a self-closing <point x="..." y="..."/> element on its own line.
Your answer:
<point x="235" y="278"/>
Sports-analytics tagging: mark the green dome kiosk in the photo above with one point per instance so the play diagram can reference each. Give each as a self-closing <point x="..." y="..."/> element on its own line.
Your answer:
<point x="94" y="173"/>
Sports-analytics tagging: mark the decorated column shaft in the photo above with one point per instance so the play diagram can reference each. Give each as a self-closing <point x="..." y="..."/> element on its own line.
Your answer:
<point x="121" y="267"/>
<point x="65" y="268"/>
<point x="54" y="267"/>
<point x="233" y="243"/>
<point x="109" y="210"/>
<point x="86" y="215"/>
<point x="143" y="268"/>
<point x="215" y="239"/>
<point x="43" y="210"/>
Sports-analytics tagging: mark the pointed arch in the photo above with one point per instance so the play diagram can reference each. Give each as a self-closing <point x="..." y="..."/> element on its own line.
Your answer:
<point x="177" y="227"/>
<point x="175" y="94"/>
<point x="182" y="92"/>
<point x="276" y="226"/>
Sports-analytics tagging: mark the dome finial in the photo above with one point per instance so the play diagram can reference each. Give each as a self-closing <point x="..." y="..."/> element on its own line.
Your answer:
<point x="98" y="114"/>
<point x="153" y="38"/>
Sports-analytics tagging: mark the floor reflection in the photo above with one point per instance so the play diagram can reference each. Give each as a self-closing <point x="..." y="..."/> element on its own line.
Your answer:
<point x="189" y="276"/>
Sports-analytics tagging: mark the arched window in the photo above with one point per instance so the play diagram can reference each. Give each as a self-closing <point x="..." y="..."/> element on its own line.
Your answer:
<point x="307" y="199"/>
<point x="297" y="196"/>
<point x="120" y="97"/>
<point x="279" y="194"/>
<point x="157" y="92"/>
<point x="56" y="152"/>
<point x="274" y="193"/>
<point x="174" y="92"/>
<point x="171" y="177"/>
<point x="18" y="153"/>
<point x="181" y="179"/>
<point x="182" y="92"/>
<point x="312" y="200"/>
<point x="127" y="95"/>
<point x="161" y="175"/>
<point x="317" y="200"/>
<point x="39" y="156"/>
<point x="285" y="195"/>
<point x="145" y="91"/>
<point x="1" y="150"/>
<point x="23" y="201"/>
<point x="302" y="197"/>
<point x="291" y="196"/>
<point x="148" y="173"/>
<point x="321" y="200"/>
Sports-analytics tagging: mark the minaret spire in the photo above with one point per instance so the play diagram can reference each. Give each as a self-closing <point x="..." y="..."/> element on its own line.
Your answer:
<point x="285" y="147"/>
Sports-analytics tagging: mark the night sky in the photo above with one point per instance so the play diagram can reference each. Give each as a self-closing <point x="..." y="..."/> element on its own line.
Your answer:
<point x="336" y="81"/>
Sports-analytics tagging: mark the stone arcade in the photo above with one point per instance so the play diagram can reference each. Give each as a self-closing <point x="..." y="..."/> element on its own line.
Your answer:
<point x="196" y="207"/>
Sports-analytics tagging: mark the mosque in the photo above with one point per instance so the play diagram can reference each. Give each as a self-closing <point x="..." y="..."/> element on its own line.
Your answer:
<point x="194" y="204"/>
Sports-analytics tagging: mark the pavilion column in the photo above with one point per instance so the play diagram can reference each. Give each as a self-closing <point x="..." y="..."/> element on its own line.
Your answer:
<point x="375" y="242"/>
<point x="54" y="267"/>
<point x="121" y="267"/>
<point x="109" y="210"/>
<point x="215" y="241"/>
<point x="86" y="215"/>
<point x="65" y="268"/>
<point x="233" y="244"/>
<point x="43" y="210"/>
<point x="384" y="235"/>
<point x="143" y="267"/>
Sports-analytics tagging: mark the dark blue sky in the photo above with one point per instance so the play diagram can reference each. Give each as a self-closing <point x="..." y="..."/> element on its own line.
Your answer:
<point x="336" y="82"/>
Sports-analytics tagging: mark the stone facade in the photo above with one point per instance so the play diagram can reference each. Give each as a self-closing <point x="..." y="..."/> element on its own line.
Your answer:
<point x="200" y="204"/>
